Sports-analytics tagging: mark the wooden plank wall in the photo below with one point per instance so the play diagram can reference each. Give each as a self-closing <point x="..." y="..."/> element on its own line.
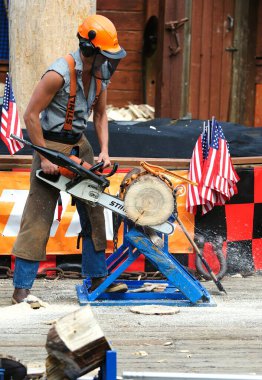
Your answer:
<point x="25" y="161"/>
<point x="3" y="70"/>
<point x="170" y="64"/>
<point x="211" y="64"/>
<point x="258" y="105"/>
<point x="129" y="19"/>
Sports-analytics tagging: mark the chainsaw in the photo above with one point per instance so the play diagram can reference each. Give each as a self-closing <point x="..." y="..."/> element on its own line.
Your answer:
<point x="86" y="183"/>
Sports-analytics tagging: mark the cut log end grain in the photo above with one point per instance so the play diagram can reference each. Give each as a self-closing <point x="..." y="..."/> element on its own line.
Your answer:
<point x="149" y="201"/>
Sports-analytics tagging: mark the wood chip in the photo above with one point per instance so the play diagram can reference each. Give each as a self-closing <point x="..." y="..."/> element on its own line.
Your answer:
<point x="149" y="287"/>
<point x="155" y="309"/>
<point x="51" y="322"/>
<point x="141" y="353"/>
<point x="168" y="344"/>
<point x="35" y="302"/>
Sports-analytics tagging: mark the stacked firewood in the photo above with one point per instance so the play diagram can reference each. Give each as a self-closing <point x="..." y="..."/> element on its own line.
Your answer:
<point x="141" y="112"/>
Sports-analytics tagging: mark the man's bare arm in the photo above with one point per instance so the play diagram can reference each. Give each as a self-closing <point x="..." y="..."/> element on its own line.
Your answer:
<point x="41" y="97"/>
<point x="101" y="127"/>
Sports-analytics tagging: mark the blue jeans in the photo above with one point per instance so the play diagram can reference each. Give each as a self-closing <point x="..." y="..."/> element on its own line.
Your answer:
<point x="93" y="262"/>
<point x="25" y="273"/>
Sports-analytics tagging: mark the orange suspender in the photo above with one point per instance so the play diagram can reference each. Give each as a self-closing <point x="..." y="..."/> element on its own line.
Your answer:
<point x="72" y="96"/>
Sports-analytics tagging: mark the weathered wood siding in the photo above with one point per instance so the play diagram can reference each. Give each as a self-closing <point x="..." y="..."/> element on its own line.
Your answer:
<point x="217" y="72"/>
<point x="258" y="105"/>
<point x="211" y="63"/>
<point x="3" y="71"/>
<point x="243" y="75"/>
<point x="128" y="17"/>
<point x="170" y="59"/>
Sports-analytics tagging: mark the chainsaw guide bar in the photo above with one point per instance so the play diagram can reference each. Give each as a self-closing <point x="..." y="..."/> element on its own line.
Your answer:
<point x="90" y="192"/>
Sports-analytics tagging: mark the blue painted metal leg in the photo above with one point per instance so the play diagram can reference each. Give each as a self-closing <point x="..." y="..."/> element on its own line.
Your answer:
<point x="117" y="257"/>
<point x="108" y="370"/>
<point x="113" y="276"/>
<point x="168" y="266"/>
<point x="120" y="254"/>
<point x="183" y="289"/>
<point x="2" y="373"/>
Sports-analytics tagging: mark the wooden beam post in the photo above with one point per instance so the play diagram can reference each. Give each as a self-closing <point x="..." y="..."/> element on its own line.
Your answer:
<point x="40" y="32"/>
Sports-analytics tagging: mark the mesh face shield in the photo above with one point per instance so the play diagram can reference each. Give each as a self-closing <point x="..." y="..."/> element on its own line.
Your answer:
<point x="103" y="68"/>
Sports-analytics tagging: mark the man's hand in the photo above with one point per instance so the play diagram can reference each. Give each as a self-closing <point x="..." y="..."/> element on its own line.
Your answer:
<point x="105" y="158"/>
<point x="48" y="167"/>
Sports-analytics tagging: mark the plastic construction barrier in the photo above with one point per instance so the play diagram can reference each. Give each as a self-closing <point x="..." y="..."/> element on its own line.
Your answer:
<point x="238" y="223"/>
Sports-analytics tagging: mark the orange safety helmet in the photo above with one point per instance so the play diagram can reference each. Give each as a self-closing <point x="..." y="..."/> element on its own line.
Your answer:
<point x="100" y="35"/>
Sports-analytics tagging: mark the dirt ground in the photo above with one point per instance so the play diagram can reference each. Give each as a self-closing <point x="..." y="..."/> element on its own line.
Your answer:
<point x="226" y="339"/>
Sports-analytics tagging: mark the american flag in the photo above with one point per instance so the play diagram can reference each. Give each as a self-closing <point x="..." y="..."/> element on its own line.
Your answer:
<point x="195" y="173"/>
<point x="10" y="123"/>
<point x="217" y="177"/>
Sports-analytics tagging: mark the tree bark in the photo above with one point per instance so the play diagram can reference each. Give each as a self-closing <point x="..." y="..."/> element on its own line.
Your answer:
<point x="40" y="32"/>
<point x="75" y="345"/>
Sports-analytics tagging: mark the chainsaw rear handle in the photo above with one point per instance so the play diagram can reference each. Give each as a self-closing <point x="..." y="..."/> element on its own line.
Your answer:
<point x="67" y="164"/>
<point x="96" y="169"/>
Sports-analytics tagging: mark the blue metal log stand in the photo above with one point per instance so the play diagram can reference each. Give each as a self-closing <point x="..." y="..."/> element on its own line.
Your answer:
<point x="2" y="373"/>
<point x="182" y="288"/>
<point x="108" y="370"/>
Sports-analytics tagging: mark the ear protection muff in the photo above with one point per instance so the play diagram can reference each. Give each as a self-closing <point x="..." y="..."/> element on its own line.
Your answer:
<point x="86" y="46"/>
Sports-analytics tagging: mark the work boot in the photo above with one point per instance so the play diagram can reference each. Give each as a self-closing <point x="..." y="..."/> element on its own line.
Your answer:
<point x="112" y="288"/>
<point x="23" y="295"/>
<point x="20" y="295"/>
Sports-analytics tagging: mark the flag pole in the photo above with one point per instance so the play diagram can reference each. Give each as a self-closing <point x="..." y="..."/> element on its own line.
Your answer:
<point x="212" y="274"/>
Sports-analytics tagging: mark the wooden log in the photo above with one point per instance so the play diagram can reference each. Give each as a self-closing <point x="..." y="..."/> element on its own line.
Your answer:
<point x="148" y="201"/>
<point x="75" y="345"/>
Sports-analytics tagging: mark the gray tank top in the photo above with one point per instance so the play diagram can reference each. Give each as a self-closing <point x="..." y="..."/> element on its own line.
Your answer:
<point x="53" y="117"/>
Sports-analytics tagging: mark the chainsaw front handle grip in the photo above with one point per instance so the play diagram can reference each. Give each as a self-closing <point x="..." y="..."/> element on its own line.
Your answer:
<point x="99" y="167"/>
<point x="113" y="171"/>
